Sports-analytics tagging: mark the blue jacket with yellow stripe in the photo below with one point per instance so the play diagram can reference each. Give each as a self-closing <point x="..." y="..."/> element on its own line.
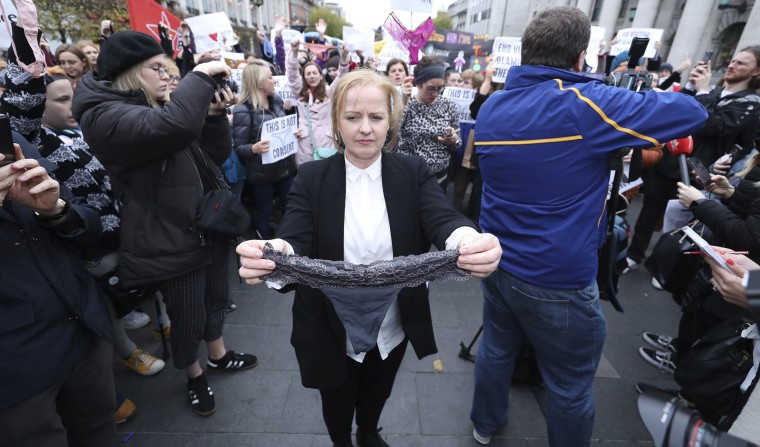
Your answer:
<point x="543" y="144"/>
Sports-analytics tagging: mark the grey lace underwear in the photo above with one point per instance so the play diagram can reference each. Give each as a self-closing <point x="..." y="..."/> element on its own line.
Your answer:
<point x="362" y="294"/>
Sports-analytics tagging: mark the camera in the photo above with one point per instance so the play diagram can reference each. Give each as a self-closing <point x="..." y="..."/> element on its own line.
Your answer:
<point x="672" y="423"/>
<point x="221" y="83"/>
<point x="631" y="79"/>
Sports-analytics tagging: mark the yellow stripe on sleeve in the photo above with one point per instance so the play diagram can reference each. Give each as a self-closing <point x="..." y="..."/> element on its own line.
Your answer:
<point x="607" y="119"/>
<point x="519" y="142"/>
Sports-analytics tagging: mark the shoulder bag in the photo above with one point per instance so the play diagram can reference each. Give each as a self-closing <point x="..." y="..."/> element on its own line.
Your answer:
<point x="319" y="152"/>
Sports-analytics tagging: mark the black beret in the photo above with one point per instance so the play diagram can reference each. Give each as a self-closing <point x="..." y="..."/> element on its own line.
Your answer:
<point x="123" y="50"/>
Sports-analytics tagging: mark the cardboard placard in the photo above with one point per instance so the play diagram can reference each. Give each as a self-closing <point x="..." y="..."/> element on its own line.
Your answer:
<point x="282" y="142"/>
<point x="625" y="37"/>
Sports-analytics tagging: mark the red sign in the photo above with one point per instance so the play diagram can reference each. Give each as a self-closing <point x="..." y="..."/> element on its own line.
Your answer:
<point x="146" y="15"/>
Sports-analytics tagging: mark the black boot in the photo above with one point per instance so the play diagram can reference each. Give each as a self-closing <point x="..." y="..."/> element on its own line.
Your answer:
<point x="370" y="439"/>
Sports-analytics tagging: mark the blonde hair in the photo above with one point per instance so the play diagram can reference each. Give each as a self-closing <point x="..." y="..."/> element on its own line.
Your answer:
<point x="749" y="165"/>
<point x="359" y="79"/>
<point x="253" y="75"/>
<point x="131" y="79"/>
<point x="87" y="43"/>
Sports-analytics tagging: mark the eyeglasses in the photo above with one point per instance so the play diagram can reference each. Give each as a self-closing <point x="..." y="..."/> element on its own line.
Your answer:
<point x="160" y="71"/>
<point x="430" y="89"/>
<point x="175" y="79"/>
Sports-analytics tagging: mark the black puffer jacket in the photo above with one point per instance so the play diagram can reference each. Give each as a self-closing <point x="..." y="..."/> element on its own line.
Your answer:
<point x="247" y="124"/>
<point x="150" y="150"/>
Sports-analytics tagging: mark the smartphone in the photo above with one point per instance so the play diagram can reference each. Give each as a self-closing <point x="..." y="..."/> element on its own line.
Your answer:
<point x="697" y="166"/>
<point x="6" y="141"/>
<point x="707" y="57"/>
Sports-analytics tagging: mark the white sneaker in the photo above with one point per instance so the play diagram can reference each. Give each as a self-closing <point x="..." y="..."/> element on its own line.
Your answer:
<point x="656" y="284"/>
<point x="135" y="320"/>
<point x="632" y="265"/>
<point x="482" y="440"/>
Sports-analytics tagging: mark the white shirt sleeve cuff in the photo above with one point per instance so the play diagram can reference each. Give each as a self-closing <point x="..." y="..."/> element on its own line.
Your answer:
<point x="274" y="284"/>
<point x="456" y="236"/>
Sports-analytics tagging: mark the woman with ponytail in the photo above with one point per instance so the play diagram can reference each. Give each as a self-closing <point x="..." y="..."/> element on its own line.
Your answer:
<point x="314" y="103"/>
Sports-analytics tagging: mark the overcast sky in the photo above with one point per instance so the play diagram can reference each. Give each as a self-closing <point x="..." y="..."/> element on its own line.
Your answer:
<point x="372" y="13"/>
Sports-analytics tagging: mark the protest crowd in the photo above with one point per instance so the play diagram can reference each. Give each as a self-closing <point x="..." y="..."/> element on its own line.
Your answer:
<point x="134" y="169"/>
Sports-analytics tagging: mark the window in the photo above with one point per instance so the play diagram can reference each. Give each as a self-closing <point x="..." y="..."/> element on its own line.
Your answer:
<point x="485" y="14"/>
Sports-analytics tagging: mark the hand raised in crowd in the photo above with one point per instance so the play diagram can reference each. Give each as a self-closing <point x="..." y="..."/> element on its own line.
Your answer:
<point x="294" y="45"/>
<point x="602" y="47"/>
<point x="684" y="65"/>
<point x="253" y="267"/>
<point x="406" y="87"/>
<point x="722" y="165"/>
<point x="451" y="136"/>
<point x="260" y="146"/>
<point x="720" y="186"/>
<point x="184" y="31"/>
<point x="106" y="27"/>
<point x="490" y="70"/>
<point x="279" y="25"/>
<point x="479" y="253"/>
<point x="321" y="27"/>
<point x="688" y="194"/>
<point x="700" y="76"/>
<point x="345" y="52"/>
<point x="24" y="182"/>
<point x="730" y="285"/>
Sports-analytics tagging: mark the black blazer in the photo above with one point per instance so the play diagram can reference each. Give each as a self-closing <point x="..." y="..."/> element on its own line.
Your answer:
<point x="418" y="213"/>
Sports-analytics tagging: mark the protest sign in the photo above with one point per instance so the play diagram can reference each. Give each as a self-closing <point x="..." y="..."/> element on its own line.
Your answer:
<point x="282" y="89"/>
<point x="459" y="49"/>
<point x="359" y="39"/>
<point x="212" y="32"/>
<point x="146" y="15"/>
<point x="625" y="37"/>
<point x="592" y="52"/>
<point x="10" y="10"/>
<point x="287" y="36"/>
<point x="390" y="51"/>
<point x="232" y="59"/>
<point x="506" y="54"/>
<point x="282" y="141"/>
<point x="236" y="75"/>
<point x="462" y="97"/>
<point x="423" y="6"/>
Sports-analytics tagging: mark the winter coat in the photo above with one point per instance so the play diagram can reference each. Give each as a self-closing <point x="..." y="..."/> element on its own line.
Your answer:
<point x="247" y="124"/>
<point x="157" y="154"/>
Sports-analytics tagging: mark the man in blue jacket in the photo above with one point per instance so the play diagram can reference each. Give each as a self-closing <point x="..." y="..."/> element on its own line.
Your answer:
<point x="56" y="379"/>
<point x="543" y="144"/>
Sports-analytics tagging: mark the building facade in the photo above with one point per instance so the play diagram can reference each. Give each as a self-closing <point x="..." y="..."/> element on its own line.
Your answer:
<point x="690" y="26"/>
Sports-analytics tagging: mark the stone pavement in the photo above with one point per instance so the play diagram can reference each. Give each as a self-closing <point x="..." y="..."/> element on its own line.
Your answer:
<point x="267" y="406"/>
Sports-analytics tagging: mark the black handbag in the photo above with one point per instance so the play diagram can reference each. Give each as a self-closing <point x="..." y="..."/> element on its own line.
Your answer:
<point x="668" y="264"/>
<point x="220" y="212"/>
<point x="711" y="371"/>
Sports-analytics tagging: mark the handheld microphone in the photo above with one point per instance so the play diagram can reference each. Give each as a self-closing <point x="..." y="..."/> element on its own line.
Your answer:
<point x="681" y="148"/>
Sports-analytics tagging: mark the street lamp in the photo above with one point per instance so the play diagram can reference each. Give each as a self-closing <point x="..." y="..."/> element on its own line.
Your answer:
<point x="725" y="4"/>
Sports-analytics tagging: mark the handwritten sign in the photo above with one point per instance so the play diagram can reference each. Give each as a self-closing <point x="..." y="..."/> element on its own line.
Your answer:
<point x="212" y="32"/>
<point x="506" y="53"/>
<point x="423" y="6"/>
<point x="282" y="89"/>
<point x="625" y="37"/>
<point x="592" y="52"/>
<point x="282" y="141"/>
<point x="462" y="97"/>
<point x="390" y="51"/>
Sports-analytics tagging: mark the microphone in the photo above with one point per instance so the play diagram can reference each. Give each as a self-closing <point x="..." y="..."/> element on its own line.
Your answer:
<point x="681" y="148"/>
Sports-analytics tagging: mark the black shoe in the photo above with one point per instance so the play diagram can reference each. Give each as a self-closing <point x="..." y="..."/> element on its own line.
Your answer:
<point x="230" y="306"/>
<point x="232" y="361"/>
<point x="364" y="439"/>
<point x="201" y="396"/>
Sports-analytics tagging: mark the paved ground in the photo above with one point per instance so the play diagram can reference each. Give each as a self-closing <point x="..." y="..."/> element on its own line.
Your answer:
<point x="267" y="406"/>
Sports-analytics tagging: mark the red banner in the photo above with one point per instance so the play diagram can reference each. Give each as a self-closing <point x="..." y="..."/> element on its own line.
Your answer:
<point x="146" y="15"/>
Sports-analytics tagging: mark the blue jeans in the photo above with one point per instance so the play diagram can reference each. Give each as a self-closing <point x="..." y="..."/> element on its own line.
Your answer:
<point x="567" y="331"/>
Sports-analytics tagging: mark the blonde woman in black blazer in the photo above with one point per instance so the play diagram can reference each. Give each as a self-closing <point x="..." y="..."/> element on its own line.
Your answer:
<point x="364" y="206"/>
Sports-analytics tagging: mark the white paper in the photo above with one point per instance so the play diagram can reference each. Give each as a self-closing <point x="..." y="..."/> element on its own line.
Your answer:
<point x="423" y="6"/>
<point x="462" y="97"/>
<point x="592" y="52"/>
<point x="625" y="185"/>
<point x="360" y="39"/>
<point x="212" y="32"/>
<point x="390" y="51"/>
<point x="287" y="36"/>
<point x="625" y="37"/>
<point x="282" y="89"/>
<point x="706" y="248"/>
<point x="10" y="9"/>
<point x="282" y="141"/>
<point x="506" y="54"/>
